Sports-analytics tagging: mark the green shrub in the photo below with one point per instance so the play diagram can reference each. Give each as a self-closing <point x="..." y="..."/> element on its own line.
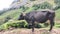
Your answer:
<point x="13" y="14"/>
<point x="36" y="6"/>
<point x="24" y="8"/>
<point x="7" y="18"/>
<point x="46" y="24"/>
<point x="32" y="0"/>
<point x="57" y="25"/>
<point x="38" y="26"/>
<point x="56" y="8"/>
<point x="44" y="5"/>
<point x="15" y="24"/>
<point x="57" y="2"/>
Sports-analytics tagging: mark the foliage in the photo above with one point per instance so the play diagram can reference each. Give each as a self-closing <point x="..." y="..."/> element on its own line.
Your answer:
<point x="24" y="8"/>
<point x="57" y="2"/>
<point x="58" y="14"/>
<point x="15" y="24"/>
<point x="13" y="14"/>
<point x="32" y="0"/>
<point x="38" y="26"/>
<point x="46" y="24"/>
<point x="36" y="6"/>
<point x="2" y="12"/>
<point x="44" y="5"/>
<point x="56" y="8"/>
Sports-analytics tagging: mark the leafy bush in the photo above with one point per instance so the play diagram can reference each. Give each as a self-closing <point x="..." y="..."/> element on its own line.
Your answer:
<point x="46" y="24"/>
<point x="32" y="0"/>
<point x="15" y="24"/>
<point x="23" y="24"/>
<point x="56" y="8"/>
<point x="38" y="26"/>
<point x="24" y="8"/>
<point x="36" y="6"/>
<point x="44" y="5"/>
<point x="6" y="19"/>
<point x="57" y="2"/>
<point x="57" y="24"/>
<point x="13" y="14"/>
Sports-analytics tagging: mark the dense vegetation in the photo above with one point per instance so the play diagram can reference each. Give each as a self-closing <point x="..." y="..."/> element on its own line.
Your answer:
<point x="9" y="18"/>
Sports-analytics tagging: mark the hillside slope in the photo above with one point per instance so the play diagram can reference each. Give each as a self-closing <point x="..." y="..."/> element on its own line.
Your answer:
<point x="13" y="14"/>
<point x="29" y="3"/>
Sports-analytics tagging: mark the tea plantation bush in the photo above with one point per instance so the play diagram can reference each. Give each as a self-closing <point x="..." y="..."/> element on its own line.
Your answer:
<point x="32" y="0"/>
<point x="17" y="24"/>
<point x="24" y="8"/>
<point x="44" y="5"/>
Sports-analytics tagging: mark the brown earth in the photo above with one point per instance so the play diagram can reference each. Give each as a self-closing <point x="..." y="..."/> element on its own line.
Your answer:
<point x="28" y="31"/>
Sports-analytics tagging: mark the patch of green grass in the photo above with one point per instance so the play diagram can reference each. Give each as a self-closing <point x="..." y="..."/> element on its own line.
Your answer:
<point x="57" y="14"/>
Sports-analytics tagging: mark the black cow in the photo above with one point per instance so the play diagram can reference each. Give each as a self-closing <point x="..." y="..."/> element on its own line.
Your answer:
<point x="38" y="16"/>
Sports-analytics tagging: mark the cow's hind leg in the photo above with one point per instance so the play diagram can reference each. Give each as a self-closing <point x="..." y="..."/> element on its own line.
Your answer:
<point x="51" y="24"/>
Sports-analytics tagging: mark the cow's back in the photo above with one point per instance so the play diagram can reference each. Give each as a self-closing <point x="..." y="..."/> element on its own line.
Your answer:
<point x="39" y="16"/>
<point x="31" y="14"/>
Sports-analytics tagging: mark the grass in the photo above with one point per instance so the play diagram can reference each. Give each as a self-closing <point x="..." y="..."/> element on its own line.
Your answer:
<point x="12" y="12"/>
<point x="57" y="14"/>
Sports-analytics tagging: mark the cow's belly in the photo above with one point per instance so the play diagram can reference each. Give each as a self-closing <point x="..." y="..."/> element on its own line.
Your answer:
<point x="41" y="20"/>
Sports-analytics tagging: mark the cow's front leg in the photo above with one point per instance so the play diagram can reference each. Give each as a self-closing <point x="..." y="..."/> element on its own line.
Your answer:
<point x="51" y="24"/>
<point x="33" y="26"/>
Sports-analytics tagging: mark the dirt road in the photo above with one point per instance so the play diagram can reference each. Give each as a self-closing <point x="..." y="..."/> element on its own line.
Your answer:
<point x="28" y="31"/>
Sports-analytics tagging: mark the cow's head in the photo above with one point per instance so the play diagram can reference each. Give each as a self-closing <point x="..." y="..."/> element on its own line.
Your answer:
<point x="21" y="17"/>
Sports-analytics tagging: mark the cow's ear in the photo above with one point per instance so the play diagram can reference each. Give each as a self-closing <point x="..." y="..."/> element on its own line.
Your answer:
<point x="23" y="13"/>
